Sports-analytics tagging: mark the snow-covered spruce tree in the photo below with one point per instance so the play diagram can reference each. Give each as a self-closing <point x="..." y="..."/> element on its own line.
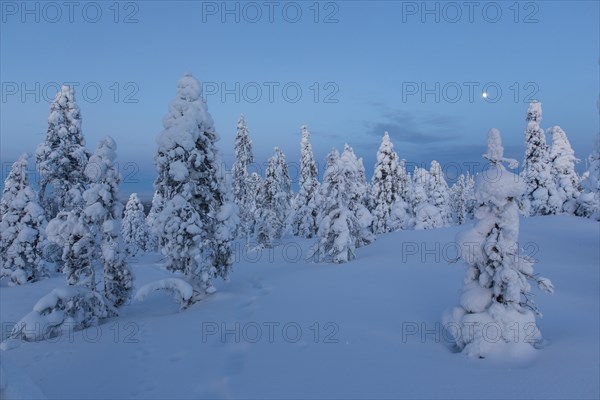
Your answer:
<point x="22" y="224"/>
<point x="540" y="188"/>
<point x="102" y="215"/>
<point x="497" y="289"/>
<point x="338" y="226"/>
<point x="255" y="184"/>
<point x="241" y="193"/>
<point x="439" y="196"/>
<point x="470" y="196"/>
<point x="589" y="200"/>
<point x="385" y="200"/>
<point x="134" y="229"/>
<point x="273" y="201"/>
<point x="458" y="200"/>
<point x="426" y="215"/>
<point x="354" y="171"/>
<point x="70" y="232"/>
<point x="198" y="218"/>
<point x="404" y="183"/>
<point x="155" y="209"/>
<point x="565" y="178"/>
<point x="304" y="223"/>
<point x="61" y="159"/>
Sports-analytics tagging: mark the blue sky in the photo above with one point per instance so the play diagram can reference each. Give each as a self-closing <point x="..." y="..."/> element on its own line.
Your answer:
<point x="362" y="68"/>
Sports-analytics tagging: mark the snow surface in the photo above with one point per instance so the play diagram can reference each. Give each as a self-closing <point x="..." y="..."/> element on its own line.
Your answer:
<point x="401" y="283"/>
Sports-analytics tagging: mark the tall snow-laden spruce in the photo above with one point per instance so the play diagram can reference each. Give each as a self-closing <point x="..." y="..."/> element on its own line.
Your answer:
<point x="458" y="200"/>
<point x="244" y="198"/>
<point x="255" y="183"/>
<point x="155" y="210"/>
<point x="404" y="185"/>
<point x="385" y="199"/>
<point x="135" y="229"/>
<point x="22" y="224"/>
<point x="339" y="228"/>
<point x="470" y="196"/>
<point x="197" y="220"/>
<point x="61" y="159"/>
<point x="354" y="172"/>
<point x="540" y="188"/>
<point x="565" y="178"/>
<point x="102" y="216"/>
<point x="306" y="203"/>
<point x="438" y="192"/>
<point x="273" y="201"/>
<point x="497" y="290"/>
<point x="588" y="204"/>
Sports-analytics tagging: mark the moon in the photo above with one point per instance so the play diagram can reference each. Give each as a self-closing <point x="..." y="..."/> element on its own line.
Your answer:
<point x="484" y="95"/>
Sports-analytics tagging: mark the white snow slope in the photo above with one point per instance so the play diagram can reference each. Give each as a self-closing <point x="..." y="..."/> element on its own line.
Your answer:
<point x="352" y="319"/>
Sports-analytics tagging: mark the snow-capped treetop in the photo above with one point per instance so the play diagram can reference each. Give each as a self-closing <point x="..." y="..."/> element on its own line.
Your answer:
<point x="534" y="112"/>
<point x="187" y="110"/>
<point x="561" y="152"/>
<point x="102" y="159"/>
<point x="188" y="88"/>
<point x="499" y="185"/>
<point x="495" y="151"/>
<point x="64" y="110"/>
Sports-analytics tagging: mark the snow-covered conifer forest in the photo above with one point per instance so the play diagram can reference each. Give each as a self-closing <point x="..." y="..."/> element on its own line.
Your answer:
<point x="243" y="267"/>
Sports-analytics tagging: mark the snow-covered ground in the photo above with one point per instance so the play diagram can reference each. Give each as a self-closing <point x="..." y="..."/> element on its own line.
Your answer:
<point x="285" y="328"/>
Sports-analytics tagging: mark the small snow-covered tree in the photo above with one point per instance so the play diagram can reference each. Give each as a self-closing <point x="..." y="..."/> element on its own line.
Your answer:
<point x="439" y="196"/>
<point x="273" y="201"/>
<point x="589" y="200"/>
<point x="540" y="188"/>
<point x="470" y="201"/>
<point x="338" y="226"/>
<point x="306" y="203"/>
<point x="155" y="210"/>
<point x="497" y="289"/>
<point x="458" y="200"/>
<point x="134" y="229"/>
<point x="61" y="159"/>
<point x="356" y="183"/>
<point x="241" y="193"/>
<point x="102" y="217"/>
<point x="22" y="224"/>
<point x="198" y="217"/>
<point x="565" y="178"/>
<point x="427" y="216"/>
<point x="386" y="203"/>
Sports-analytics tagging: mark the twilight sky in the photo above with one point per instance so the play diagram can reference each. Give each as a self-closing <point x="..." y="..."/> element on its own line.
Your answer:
<point x="350" y="70"/>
